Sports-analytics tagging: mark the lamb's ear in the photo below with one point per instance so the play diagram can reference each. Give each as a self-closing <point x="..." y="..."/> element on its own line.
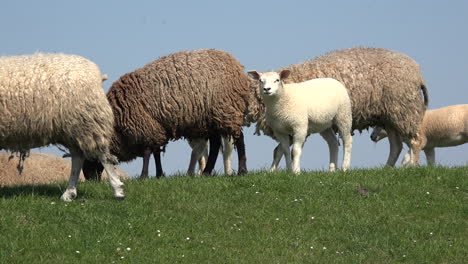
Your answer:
<point x="284" y="74"/>
<point x="254" y="74"/>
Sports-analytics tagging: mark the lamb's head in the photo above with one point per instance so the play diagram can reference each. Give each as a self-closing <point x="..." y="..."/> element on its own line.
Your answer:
<point x="271" y="83"/>
<point x="378" y="133"/>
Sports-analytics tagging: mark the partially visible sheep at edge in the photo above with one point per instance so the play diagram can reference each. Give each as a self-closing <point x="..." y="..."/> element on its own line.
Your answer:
<point x="386" y="89"/>
<point x="57" y="99"/>
<point x="299" y="109"/>
<point x="191" y="94"/>
<point x="442" y="127"/>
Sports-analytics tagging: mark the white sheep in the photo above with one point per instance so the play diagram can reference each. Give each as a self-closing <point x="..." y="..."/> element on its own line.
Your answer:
<point x="300" y="109"/>
<point x="442" y="127"/>
<point x="57" y="99"/>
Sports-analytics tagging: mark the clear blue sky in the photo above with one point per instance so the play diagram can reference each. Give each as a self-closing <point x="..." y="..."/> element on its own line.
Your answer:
<point x="121" y="36"/>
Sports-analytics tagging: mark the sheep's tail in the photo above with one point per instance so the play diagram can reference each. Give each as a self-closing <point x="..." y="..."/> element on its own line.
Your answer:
<point x="426" y="97"/>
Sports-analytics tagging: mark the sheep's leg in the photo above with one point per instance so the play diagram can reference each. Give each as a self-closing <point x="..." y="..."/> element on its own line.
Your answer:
<point x="198" y="146"/>
<point x="407" y="159"/>
<point x="77" y="163"/>
<point x="202" y="160"/>
<point x="157" y="162"/>
<point x="396" y="145"/>
<point x="277" y="155"/>
<point x="430" y="156"/>
<point x="241" y="155"/>
<point x="298" y="143"/>
<point x="114" y="180"/>
<point x="146" y="158"/>
<point x="415" y="146"/>
<point x="332" y="142"/>
<point x="215" y="143"/>
<point x="228" y="146"/>
<point x="284" y="142"/>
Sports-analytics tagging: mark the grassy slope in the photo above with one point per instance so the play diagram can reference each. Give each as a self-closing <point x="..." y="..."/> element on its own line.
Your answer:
<point x="417" y="215"/>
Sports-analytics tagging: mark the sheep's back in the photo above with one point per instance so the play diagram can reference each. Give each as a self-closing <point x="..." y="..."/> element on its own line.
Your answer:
<point x="52" y="99"/>
<point x="185" y="94"/>
<point x="384" y="86"/>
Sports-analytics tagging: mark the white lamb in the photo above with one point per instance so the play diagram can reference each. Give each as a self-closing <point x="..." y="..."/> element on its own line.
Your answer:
<point x="300" y="109"/>
<point x="442" y="127"/>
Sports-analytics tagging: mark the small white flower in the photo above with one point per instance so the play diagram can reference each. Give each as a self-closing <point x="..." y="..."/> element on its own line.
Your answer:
<point x="311" y="247"/>
<point x="122" y="257"/>
<point x="99" y="241"/>
<point x="128" y="249"/>
<point x="118" y="249"/>
<point x="77" y="252"/>
<point x="324" y="248"/>
<point x="257" y="192"/>
<point x="159" y="231"/>
<point x="295" y="200"/>
<point x="277" y="219"/>
<point x="427" y="192"/>
<point x="457" y="187"/>
<point x="404" y="256"/>
<point x="69" y="236"/>
<point x="159" y="234"/>
<point x="312" y="218"/>
<point x="188" y="238"/>
<point x="431" y="233"/>
<point x="52" y="203"/>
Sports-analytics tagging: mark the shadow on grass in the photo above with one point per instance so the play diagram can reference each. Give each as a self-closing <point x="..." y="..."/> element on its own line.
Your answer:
<point x="51" y="190"/>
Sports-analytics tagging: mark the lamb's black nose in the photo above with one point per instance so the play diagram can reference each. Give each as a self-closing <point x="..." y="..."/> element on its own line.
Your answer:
<point x="266" y="89"/>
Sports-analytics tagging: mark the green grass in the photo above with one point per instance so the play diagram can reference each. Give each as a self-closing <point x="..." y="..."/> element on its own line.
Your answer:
<point x="416" y="215"/>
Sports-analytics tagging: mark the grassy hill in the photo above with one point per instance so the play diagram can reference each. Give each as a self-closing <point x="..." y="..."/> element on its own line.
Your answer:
<point x="416" y="215"/>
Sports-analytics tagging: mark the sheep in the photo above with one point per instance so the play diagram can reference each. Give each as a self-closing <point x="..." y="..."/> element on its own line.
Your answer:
<point x="300" y="109"/>
<point x="442" y="127"/>
<point x="386" y="89"/>
<point x="191" y="94"/>
<point x="57" y="99"/>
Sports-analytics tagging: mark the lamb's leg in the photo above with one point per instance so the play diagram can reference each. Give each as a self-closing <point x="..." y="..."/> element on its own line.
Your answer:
<point x="77" y="163"/>
<point x="241" y="155"/>
<point x="157" y="162"/>
<point x="202" y="160"/>
<point x="332" y="142"/>
<point x="298" y="142"/>
<point x="284" y="142"/>
<point x="215" y="143"/>
<point x="198" y="146"/>
<point x="228" y="146"/>
<point x="407" y="159"/>
<point x="430" y="156"/>
<point x="415" y="146"/>
<point x="146" y="158"/>
<point x="277" y="155"/>
<point x="396" y="145"/>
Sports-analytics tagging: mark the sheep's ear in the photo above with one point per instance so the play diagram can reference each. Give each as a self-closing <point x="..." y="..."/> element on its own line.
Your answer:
<point x="254" y="74"/>
<point x="284" y="74"/>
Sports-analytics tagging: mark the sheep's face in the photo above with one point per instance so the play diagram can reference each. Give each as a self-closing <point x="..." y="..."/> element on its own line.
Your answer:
<point x="270" y="83"/>
<point x="378" y="133"/>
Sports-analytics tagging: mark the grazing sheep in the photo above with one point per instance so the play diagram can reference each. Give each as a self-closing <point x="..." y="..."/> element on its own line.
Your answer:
<point x="300" y="109"/>
<point x="384" y="87"/>
<point x="190" y="94"/>
<point x="57" y="99"/>
<point x="442" y="127"/>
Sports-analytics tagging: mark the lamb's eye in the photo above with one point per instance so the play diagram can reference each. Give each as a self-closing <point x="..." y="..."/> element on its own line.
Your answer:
<point x="277" y="81"/>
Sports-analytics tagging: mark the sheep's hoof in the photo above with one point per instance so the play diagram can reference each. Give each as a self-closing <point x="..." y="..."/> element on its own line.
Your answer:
<point x="120" y="198"/>
<point x="68" y="195"/>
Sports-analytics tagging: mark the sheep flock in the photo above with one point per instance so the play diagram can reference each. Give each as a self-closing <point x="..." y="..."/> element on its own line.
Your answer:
<point x="206" y="96"/>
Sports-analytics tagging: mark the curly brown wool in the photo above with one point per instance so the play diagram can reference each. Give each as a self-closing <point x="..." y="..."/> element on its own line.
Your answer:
<point x="190" y="94"/>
